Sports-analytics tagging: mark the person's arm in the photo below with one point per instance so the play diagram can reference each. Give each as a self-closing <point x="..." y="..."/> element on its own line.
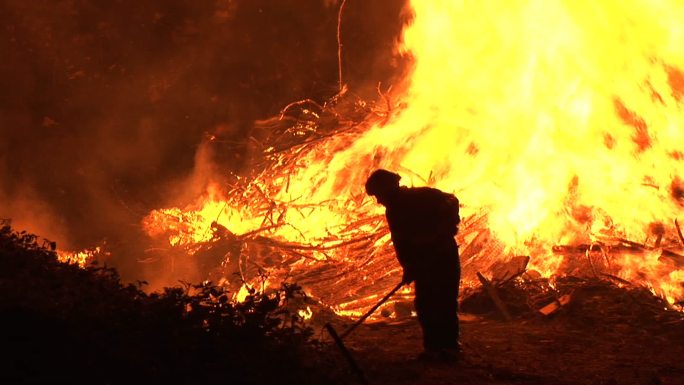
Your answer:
<point x="405" y="258"/>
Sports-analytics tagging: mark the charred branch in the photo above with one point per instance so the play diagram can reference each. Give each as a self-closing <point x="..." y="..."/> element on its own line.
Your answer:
<point x="679" y="232"/>
<point x="494" y="295"/>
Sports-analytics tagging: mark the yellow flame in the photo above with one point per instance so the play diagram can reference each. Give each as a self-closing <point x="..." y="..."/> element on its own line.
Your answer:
<point x="563" y="119"/>
<point x="518" y="105"/>
<point x="242" y="294"/>
<point x="80" y="258"/>
<point x="305" y="314"/>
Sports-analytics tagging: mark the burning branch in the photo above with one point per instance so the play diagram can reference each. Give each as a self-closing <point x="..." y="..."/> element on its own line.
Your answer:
<point x="339" y="44"/>
<point x="302" y="103"/>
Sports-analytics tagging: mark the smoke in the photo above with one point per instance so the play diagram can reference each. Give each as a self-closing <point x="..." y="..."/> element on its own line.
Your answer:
<point x="105" y="106"/>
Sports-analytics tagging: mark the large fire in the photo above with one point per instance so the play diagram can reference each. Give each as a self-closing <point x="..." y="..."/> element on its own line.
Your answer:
<point x="554" y="122"/>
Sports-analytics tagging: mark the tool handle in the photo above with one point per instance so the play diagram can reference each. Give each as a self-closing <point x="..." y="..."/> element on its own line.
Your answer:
<point x="347" y="355"/>
<point x="373" y="309"/>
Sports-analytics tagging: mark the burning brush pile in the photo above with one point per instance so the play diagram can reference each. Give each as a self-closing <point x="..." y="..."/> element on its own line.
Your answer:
<point x="560" y="136"/>
<point x="348" y="266"/>
<point x="325" y="246"/>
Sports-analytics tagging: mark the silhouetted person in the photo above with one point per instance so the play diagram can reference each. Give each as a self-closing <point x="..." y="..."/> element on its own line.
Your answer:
<point x="423" y="222"/>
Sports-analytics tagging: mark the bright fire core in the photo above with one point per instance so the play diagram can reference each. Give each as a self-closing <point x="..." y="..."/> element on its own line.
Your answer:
<point x="562" y="120"/>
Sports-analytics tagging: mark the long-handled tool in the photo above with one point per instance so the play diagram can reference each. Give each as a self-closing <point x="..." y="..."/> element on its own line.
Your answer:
<point x="338" y="338"/>
<point x="371" y="311"/>
<point x="350" y="359"/>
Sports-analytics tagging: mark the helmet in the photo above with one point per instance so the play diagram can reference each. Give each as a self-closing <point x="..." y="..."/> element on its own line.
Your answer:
<point x="381" y="181"/>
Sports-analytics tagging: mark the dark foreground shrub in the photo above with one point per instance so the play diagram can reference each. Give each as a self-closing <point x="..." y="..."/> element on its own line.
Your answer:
<point x="61" y="323"/>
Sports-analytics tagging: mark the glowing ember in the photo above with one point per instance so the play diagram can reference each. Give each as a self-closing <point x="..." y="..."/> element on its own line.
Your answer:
<point x="561" y="120"/>
<point x="305" y="313"/>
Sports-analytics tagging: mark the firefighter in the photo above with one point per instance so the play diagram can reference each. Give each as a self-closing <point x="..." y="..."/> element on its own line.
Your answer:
<point x="423" y="222"/>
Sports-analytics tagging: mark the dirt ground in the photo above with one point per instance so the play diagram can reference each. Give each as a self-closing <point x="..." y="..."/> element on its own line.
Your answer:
<point x="561" y="349"/>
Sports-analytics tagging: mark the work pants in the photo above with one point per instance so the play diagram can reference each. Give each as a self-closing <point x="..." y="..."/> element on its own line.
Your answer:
<point x="436" y="301"/>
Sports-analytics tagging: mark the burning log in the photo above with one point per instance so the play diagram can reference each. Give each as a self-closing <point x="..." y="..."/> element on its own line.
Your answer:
<point x="555" y="305"/>
<point x="503" y="272"/>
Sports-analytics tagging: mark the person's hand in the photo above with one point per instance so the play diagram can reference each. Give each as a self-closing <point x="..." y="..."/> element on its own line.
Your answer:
<point x="407" y="278"/>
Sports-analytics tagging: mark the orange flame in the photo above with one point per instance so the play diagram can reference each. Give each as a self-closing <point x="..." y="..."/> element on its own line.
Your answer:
<point x="561" y="119"/>
<point x="80" y="258"/>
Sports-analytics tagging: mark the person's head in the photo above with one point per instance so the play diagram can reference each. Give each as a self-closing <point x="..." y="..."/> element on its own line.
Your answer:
<point x="382" y="184"/>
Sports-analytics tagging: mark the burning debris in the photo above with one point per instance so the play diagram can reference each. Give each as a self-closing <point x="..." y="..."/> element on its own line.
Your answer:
<point x="603" y="299"/>
<point x="277" y="247"/>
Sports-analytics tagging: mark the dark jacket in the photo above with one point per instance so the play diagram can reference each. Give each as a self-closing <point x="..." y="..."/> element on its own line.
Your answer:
<point x="423" y="222"/>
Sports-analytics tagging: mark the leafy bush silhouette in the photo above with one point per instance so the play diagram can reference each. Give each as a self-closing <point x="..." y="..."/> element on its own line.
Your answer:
<point x="63" y="322"/>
